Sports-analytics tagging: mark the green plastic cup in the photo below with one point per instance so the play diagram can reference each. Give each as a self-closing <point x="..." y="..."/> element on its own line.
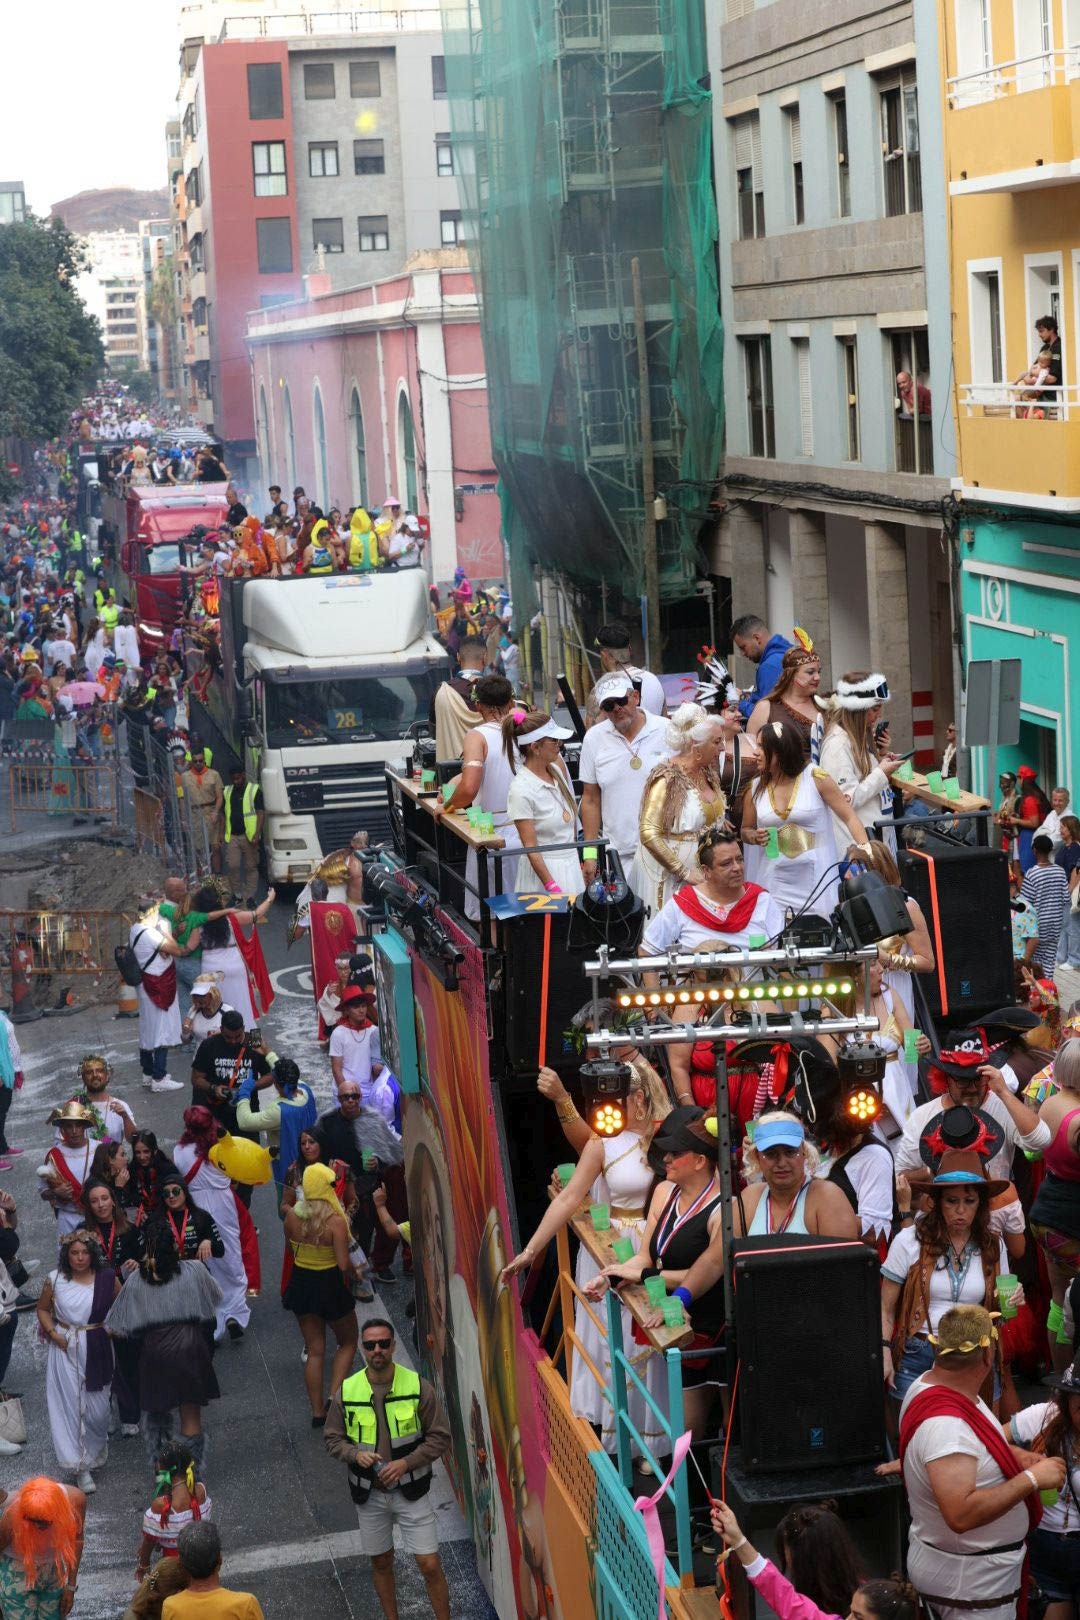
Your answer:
<point x="673" y="1313"/>
<point x="427" y="779"/>
<point x="952" y="787"/>
<point x="911" y="1051"/>
<point x="1006" y="1288"/>
<point x="772" y="844"/>
<point x="369" y="1160"/>
<point x="934" y="782"/>
<point x="601" y="1217"/>
<point x="565" y="1173"/>
<point x="447" y="792"/>
<point x="624" y="1249"/>
<point x="473" y="813"/>
<point x="1048" y="1497"/>
<point x="904" y="772"/>
<point x="656" y="1291"/>
<point x="487" y="823"/>
<point x="758" y="942"/>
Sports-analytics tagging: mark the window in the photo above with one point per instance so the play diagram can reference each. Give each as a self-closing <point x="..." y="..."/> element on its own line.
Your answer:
<point x="444" y="155"/>
<point x="801" y="347"/>
<point x="843" y="164"/>
<point x="191" y="188"/>
<point x="912" y="406"/>
<point x="987" y="333"/>
<point x="438" y="77"/>
<point x="264" y="90"/>
<point x="274" y="238"/>
<point x="319" y="81"/>
<point x="322" y="159"/>
<point x="794" y="130"/>
<point x="321" y="465"/>
<point x="198" y="252"/>
<point x="450" y="231"/>
<point x="374" y="231"/>
<point x="369" y="157"/>
<point x="268" y="161"/>
<point x="198" y="314"/>
<point x="364" y="80"/>
<point x="974" y="52"/>
<point x="900" y="147"/>
<point x="356" y="418"/>
<point x="328" y="234"/>
<point x="747" y="133"/>
<point x="759" y="395"/>
<point x="1034" y="45"/>
<point x="849" y="356"/>
<point x="407" y="453"/>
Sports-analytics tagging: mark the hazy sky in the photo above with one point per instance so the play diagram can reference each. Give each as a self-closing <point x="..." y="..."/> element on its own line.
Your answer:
<point x="88" y="86"/>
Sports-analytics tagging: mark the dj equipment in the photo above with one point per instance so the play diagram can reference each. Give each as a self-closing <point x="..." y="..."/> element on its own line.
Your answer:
<point x="808" y="1334"/>
<point x="964" y="896"/>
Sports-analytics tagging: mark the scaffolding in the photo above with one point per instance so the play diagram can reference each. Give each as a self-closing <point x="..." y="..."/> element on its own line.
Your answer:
<point x="583" y="140"/>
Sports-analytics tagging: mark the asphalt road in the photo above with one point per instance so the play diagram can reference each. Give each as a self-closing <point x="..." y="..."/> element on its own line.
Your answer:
<point x="287" y="1523"/>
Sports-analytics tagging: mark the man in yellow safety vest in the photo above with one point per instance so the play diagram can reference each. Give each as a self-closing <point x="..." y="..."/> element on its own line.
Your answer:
<point x="243" y="834"/>
<point x="386" y="1423"/>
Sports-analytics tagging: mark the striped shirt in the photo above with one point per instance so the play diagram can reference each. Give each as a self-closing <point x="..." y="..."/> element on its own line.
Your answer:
<point x="1047" y="889"/>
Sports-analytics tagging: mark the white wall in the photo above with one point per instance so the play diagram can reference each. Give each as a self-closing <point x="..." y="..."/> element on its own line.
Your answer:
<point x="781" y="602"/>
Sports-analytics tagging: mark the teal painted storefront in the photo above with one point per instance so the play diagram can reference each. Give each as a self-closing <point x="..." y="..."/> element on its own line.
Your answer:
<point x="1020" y="593"/>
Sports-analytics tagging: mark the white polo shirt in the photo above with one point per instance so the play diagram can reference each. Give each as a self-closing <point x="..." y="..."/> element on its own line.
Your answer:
<point x="606" y="759"/>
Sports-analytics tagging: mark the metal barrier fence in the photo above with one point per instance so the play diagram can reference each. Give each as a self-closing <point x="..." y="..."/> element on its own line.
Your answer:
<point x="39" y="946"/>
<point x="165" y="820"/>
<point x="56" y="789"/>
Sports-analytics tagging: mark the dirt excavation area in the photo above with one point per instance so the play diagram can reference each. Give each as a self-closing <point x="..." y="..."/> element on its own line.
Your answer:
<point x="64" y="906"/>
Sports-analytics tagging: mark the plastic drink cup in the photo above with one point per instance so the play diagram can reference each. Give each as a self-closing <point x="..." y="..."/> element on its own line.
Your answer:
<point x="952" y="787"/>
<point x="904" y="772"/>
<point x="673" y="1313"/>
<point x="934" y="782"/>
<point x="758" y="942"/>
<point x="624" y="1249"/>
<point x="601" y="1217"/>
<point x="656" y="1291"/>
<point x="772" y="844"/>
<point x="447" y="792"/>
<point x="1048" y="1497"/>
<point x="1006" y="1288"/>
<point x="911" y="1037"/>
<point x="487" y="823"/>
<point x="427" y="779"/>
<point x="473" y="813"/>
<point x="368" y="1159"/>
<point x="565" y="1173"/>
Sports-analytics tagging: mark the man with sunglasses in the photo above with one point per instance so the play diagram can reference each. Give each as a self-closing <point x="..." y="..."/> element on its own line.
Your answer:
<point x="616" y="757"/>
<point x="386" y="1423"/>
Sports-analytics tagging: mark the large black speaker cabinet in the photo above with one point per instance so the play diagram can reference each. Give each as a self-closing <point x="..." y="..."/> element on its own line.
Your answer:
<point x="522" y="940"/>
<point x="966" y="892"/>
<point x="808" y="1331"/>
<point x="872" y="1511"/>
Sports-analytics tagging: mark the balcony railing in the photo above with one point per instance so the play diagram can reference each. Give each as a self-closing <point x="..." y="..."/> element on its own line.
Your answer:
<point x="1025" y="73"/>
<point x="914" y="442"/>
<point x="1008" y="400"/>
<point x="292" y="24"/>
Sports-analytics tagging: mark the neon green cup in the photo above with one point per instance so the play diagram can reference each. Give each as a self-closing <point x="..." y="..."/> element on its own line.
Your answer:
<point x="934" y="782"/>
<point x="655" y="1289"/>
<point x="624" y="1249"/>
<point x="772" y="844"/>
<point x="601" y="1217"/>
<point x="673" y="1313"/>
<point x="1006" y="1288"/>
<point x="565" y="1173"/>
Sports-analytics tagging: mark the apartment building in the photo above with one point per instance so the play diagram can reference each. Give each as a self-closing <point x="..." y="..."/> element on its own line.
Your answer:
<point x="12" y="202"/>
<point x="835" y="288"/>
<point x="311" y="142"/>
<point x="112" y="289"/>
<point x="156" y="236"/>
<point x="1011" y="93"/>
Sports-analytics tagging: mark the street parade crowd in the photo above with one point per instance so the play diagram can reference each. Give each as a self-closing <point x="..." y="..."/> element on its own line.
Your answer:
<point x="726" y="815"/>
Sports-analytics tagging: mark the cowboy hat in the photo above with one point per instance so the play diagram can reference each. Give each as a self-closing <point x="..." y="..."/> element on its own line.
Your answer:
<point x="962" y="1167"/>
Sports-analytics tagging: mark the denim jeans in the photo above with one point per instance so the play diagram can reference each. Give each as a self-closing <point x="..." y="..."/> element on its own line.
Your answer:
<point x="1069" y="943"/>
<point x="154" y="1063"/>
<point x="1055" y="1565"/>
<point x="188" y="969"/>
<point x="918" y="1357"/>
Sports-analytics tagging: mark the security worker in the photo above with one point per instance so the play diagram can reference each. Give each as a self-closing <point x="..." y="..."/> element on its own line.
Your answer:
<point x="387" y="1424"/>
<point x="243" y="833"/>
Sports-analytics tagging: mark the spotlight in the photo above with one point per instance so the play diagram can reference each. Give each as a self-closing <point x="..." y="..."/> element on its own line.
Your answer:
<point x="605" y="1084"/>
<point x="861" y="1064"/>
<point x="863" y="1105"/>
<point x="871" y="910"/>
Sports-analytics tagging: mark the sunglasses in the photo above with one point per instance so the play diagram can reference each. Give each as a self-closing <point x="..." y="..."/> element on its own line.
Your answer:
<point x="376" y="1344"/>
<point x="172" y="1192"/>
<point x="609" y="705"/>
<point x="348" y="1096"/>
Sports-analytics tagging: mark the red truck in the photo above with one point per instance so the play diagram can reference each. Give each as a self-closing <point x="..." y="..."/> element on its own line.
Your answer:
<point x="144" y="527"/>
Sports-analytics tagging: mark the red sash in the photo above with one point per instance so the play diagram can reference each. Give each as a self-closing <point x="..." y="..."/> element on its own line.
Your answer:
<point x="56" y="1158"/>
<point x="262" y="991"/>
<point x="193" y="1172"/>
<point x="737" y="918"/>
<point x="936" y="1401"/>
<point x="161" y="987"/>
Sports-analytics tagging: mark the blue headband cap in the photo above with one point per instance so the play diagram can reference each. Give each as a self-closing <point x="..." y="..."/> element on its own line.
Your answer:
<point x="770" y="1133"/>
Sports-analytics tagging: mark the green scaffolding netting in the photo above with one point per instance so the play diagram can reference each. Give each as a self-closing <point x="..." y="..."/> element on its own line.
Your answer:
<point x="583" y="141"/>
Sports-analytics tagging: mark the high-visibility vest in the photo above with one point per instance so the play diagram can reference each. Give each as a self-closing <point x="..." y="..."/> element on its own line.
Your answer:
<point x="110" y="616"/>
<point x="250" y="821"/>
<point x="401" y="1408"/>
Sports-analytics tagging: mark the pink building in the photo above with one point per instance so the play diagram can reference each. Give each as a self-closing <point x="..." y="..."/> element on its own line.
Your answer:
<point x="381" y="390"/>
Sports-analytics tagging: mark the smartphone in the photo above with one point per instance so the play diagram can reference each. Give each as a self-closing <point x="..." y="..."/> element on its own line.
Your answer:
<point x="880" y="729"/>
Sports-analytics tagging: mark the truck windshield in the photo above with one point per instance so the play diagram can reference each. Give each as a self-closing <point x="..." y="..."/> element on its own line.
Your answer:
<point x="161" y="559"/>
<point x="372" y="708"/>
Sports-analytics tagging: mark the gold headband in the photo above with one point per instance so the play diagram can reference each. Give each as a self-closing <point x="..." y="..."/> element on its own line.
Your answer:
<point x="965" y="1346"/>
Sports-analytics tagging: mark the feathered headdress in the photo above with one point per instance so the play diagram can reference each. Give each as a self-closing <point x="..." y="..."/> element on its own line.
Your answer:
<point x="715" y="686"/>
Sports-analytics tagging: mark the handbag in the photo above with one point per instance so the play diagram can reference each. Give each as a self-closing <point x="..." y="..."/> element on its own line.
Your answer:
<point x="12" y="1419"/>
<point x="128" y="964"/>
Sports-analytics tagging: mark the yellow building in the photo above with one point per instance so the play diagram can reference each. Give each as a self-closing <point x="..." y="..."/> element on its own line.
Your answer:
<point x="1012" y="156"/>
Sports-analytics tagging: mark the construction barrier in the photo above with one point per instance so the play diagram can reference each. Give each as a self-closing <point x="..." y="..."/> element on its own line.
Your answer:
<point x="36" y="788"/>
<point x="43" y="945"/>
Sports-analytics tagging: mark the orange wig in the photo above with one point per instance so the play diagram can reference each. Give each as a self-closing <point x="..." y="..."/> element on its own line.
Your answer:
<point x="40" y="1521"/>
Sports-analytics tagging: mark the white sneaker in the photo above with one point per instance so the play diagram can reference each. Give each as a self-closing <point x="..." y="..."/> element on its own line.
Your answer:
<point x="147" y="1082"/>
<point x="167" y="1083"/>
<point x="8" y="1448"/>
<point x="129" y="1430"/>
<point x="85" y="1481"/>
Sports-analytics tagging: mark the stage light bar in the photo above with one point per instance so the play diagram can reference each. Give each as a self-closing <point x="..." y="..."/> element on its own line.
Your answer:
<point x="863" y="1105"/>
<point x="766" y="990"/>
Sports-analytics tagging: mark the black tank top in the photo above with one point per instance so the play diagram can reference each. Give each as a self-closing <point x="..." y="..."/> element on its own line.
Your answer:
<point x="676" y="1244"/>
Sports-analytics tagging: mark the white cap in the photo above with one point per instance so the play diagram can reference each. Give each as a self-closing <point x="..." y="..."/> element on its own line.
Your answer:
<point x="549" y="729"/>
<point x="616" y="685"/>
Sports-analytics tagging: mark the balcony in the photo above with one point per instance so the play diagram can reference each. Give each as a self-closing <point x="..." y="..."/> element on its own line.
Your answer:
<point x="201" y="346"/>
<point x="1008" y="455"/>
<point x="1016" y="126"/>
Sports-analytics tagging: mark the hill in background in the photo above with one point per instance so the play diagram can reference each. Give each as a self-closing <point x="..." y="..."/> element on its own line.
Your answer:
<point x="115" y="208"/>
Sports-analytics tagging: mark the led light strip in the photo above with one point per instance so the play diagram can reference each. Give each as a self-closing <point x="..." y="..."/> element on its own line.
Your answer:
<point x="775" y="990"/>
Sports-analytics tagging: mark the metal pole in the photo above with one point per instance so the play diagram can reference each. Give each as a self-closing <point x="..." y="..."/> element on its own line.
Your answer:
<point x="722" y="1108"/>
<point x="648" y="477"/>
<point x="991" y="752"/>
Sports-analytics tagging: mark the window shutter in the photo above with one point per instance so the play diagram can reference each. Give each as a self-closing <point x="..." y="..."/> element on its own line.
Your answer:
<point x="755" y="146"/>
<point x="806" y="401"/>
<point x="744" y="155"/>
<point x="795" y="131"/>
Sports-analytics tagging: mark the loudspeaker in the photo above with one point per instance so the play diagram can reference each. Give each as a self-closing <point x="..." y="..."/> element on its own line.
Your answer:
<point x="966" y="893"/>
<point x="522" y="940"/>
<point x="872" y="1511"/>
<point x="808" y="1332"/>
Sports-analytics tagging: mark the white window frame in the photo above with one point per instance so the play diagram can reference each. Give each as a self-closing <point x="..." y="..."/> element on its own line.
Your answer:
<point x="977" y="73"/>
<point x="984" y="389"/>
<point x="1036" y="261"/>
<point x="322" y="147"/>
<point x="1032" y="75"/>
<point x="270" y="173"/>
<point x="374" y="235"/>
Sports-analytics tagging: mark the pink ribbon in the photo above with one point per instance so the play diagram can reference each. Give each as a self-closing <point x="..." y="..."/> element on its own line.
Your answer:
<point x="648" y="1507"/>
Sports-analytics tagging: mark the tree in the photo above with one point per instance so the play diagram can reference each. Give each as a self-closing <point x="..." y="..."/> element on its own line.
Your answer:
<point x="50" y="347"/>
